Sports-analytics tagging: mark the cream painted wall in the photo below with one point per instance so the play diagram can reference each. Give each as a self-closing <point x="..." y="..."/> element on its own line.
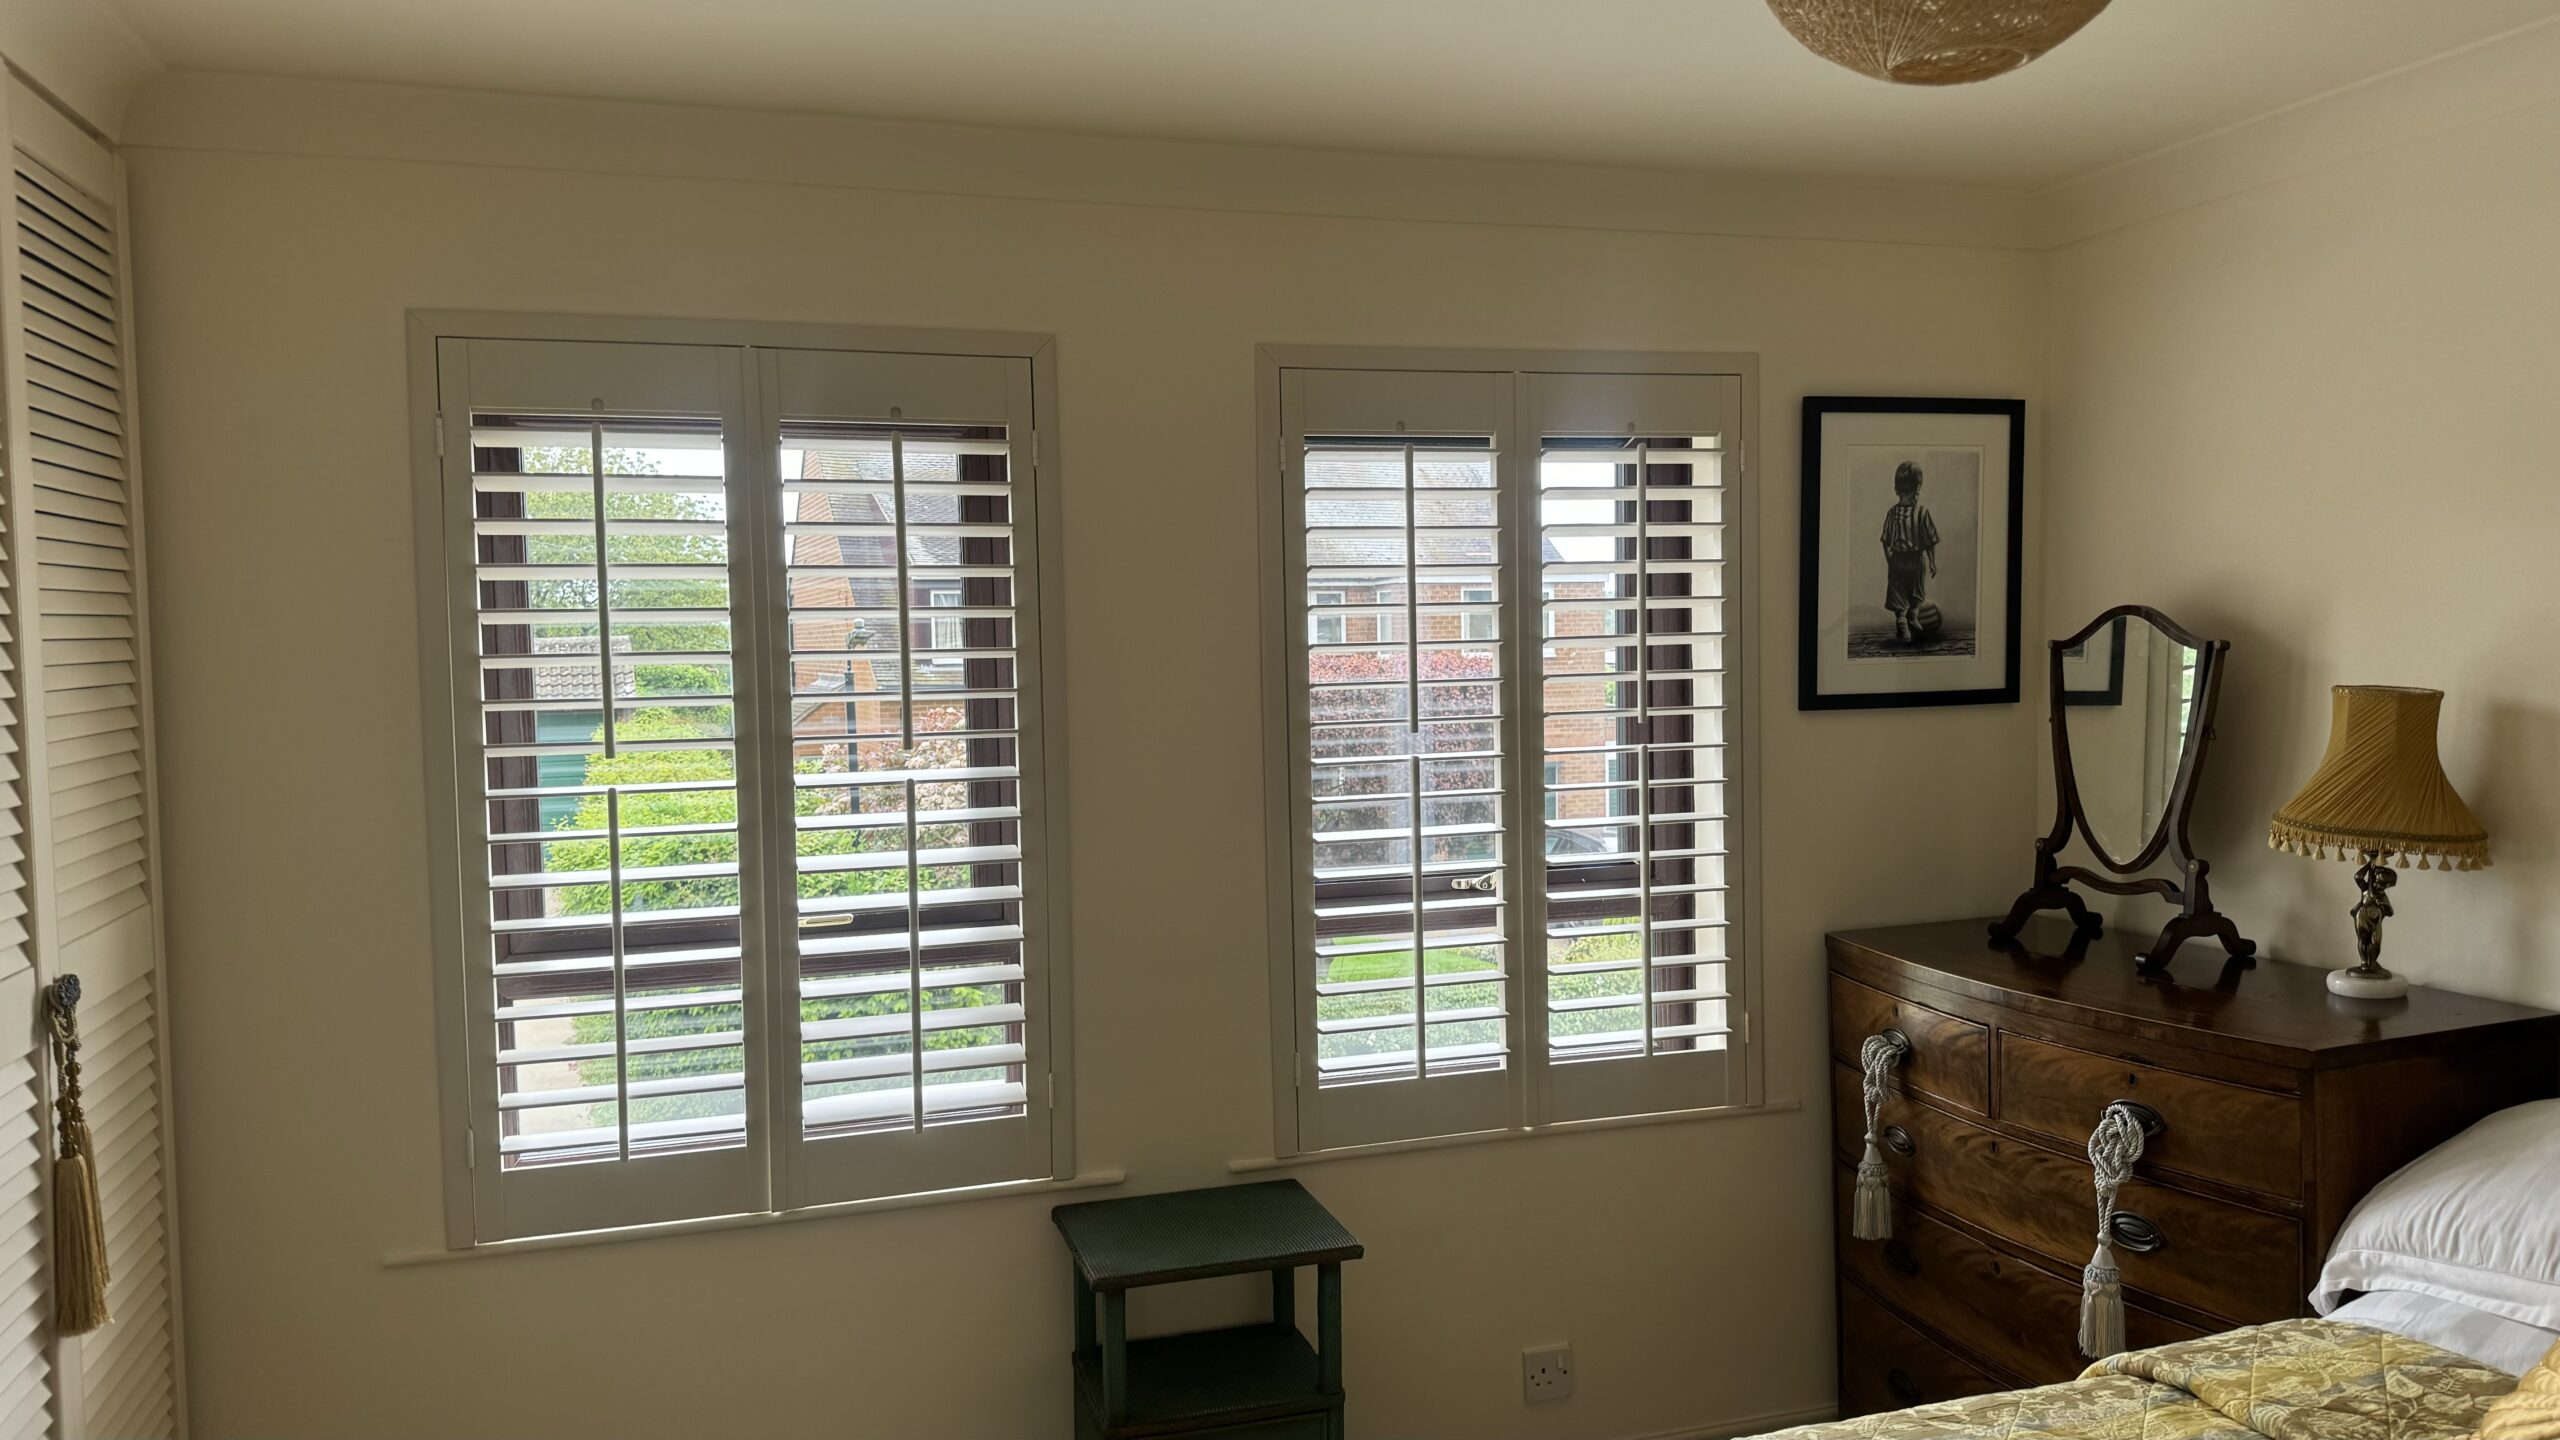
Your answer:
<point x="2313" y="415"/>
<point x="1689" y="1264"/>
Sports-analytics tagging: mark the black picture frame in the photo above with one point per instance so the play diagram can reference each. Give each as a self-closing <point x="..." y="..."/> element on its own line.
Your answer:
<point x="1817" y="410"/>
<point x="2111" y="693"/>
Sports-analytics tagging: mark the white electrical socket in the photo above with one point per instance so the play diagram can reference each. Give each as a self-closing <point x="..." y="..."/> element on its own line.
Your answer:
<point x="1546" y="1372"/>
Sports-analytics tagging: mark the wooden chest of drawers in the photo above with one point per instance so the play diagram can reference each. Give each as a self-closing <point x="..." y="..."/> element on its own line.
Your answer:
<point x="2282" y="1106"/>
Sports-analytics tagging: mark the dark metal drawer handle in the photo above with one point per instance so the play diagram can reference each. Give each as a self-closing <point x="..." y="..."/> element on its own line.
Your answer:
<point x="2129" y="1231"/>
<point x="1904" y="1388"/>
<point x="1899" y="1256"/>
<point x="2153" y="1124"/>
<point x="1898" y="1140"/>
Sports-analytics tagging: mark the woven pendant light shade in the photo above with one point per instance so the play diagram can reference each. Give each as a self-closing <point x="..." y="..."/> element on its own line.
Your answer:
<point x="1933" y="42"/>
<point x="2380" y="787"/>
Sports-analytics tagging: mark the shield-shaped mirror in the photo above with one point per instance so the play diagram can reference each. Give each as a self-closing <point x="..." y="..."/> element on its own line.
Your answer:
<point x="2128" y="718"/>
<point x="2133" y="704"/>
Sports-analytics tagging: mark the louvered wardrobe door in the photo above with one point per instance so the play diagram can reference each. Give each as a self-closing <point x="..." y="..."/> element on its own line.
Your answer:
<point x="27" y="1408"/>
<point x="80" y="559"/>
<point x="83" y="551"/>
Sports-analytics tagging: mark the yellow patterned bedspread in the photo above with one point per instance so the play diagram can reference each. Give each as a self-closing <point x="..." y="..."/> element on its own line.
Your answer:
<point x="2292" y="1380"/>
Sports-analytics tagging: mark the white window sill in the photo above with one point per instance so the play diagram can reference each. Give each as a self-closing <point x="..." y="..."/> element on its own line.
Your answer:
<point x="1524" y="1132"/>
<point x="1091" y="1179"/>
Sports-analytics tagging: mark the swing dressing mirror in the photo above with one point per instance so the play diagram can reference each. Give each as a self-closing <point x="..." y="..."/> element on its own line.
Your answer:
<point x="2133" y="696"/>
<point x="2127" y="718"/>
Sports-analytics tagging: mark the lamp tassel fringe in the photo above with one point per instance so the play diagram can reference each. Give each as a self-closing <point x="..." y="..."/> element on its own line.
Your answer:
<point x="2459" y="855"/>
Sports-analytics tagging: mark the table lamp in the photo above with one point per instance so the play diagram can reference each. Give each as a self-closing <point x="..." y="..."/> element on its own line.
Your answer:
<point x="2380" y="796"/>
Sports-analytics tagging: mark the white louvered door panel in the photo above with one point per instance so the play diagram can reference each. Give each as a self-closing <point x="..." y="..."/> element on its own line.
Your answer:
<point x="29" y="1398"/>
<point x="27" y="1402"/>
<point x="15" y="953"/>
<point x="82" y="545"/>
<point x="126" y="1382"/>
<point x="74" y="528"/>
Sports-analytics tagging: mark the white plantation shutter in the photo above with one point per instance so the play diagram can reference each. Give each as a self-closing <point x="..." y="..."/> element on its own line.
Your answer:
<point x="1508" y="629"/>
<point x="749" y="778"/>
<point x="609" y="848"/>
<point x="907" y="577"/>
<point x="79" y="769"/>
<point x="1635" y="708"/>
<point x="1398" y="765"/>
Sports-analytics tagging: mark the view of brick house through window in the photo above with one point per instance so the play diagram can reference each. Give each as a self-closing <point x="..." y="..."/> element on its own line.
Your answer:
<point x="908" y="877"/>
<point x="612" y="786"/>
<point x="1631" y="595"/>
<point x="677" y="895"/>
<point x="1454" y="597"/>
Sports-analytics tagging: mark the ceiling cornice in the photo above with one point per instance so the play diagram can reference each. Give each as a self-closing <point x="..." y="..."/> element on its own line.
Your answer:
<point x="2505" y="75"/>
<point x="193" y="110"/>
<point x="81" y="54"/>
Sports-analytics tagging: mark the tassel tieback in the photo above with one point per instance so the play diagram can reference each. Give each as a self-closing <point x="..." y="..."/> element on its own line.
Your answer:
<point x="1871" y="1208"/>
<point x="79" y="1225"/>
<point x="2115" y="1147"/>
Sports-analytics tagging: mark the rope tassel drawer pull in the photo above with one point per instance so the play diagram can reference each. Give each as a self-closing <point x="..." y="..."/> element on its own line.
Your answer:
<point x="2115" y="1147"/>
<point x="1871" y="1212"/>
<point x="79" y="1227"/>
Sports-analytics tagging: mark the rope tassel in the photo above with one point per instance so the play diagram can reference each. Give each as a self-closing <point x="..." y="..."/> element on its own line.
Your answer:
<point x="2115" y="1147"/>
<point x="1871" y="1209"/>
<point x="79" y="1226"/>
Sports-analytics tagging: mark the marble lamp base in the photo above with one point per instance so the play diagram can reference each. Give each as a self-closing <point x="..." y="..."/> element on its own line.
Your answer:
<point x="2368" y="982"/>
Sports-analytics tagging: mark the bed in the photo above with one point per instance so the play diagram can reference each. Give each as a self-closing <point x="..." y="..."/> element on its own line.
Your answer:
<point x="2442" y="1289"/>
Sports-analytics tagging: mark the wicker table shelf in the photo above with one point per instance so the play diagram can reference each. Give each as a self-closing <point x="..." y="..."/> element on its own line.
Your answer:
<point x="1261" y="1381"/>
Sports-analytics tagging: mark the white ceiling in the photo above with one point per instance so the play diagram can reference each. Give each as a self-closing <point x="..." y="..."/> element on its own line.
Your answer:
<point x="1701" y="84"/>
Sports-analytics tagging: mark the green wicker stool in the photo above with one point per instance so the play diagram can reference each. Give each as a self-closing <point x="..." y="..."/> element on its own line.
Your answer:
<point x="1251" y="1382"/>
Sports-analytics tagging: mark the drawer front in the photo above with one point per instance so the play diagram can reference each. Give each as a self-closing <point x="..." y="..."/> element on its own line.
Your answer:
<point x="2024" y="1320"/>
<point x="2239" y="1136"/>
<point x="1950" y="1058"/>
<point x="1885" y="1364"/>
<point x="2227" y="1260"/>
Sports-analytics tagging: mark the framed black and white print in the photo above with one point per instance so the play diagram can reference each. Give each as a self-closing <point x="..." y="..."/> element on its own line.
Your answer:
<point x="1909" y="587"/>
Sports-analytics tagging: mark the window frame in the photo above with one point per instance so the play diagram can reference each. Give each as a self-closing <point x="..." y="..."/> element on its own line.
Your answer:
<point x="1296" y="1132"/>
<point x="469" y="1157"/>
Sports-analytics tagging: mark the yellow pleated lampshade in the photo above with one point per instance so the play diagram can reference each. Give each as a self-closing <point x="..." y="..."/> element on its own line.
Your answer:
<point x="2381" y="787"/>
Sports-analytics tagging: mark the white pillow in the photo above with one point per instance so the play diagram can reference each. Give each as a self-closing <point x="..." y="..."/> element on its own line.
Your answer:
<point x="2494" y="1340"/>
<point x="2475" y="1220"/>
